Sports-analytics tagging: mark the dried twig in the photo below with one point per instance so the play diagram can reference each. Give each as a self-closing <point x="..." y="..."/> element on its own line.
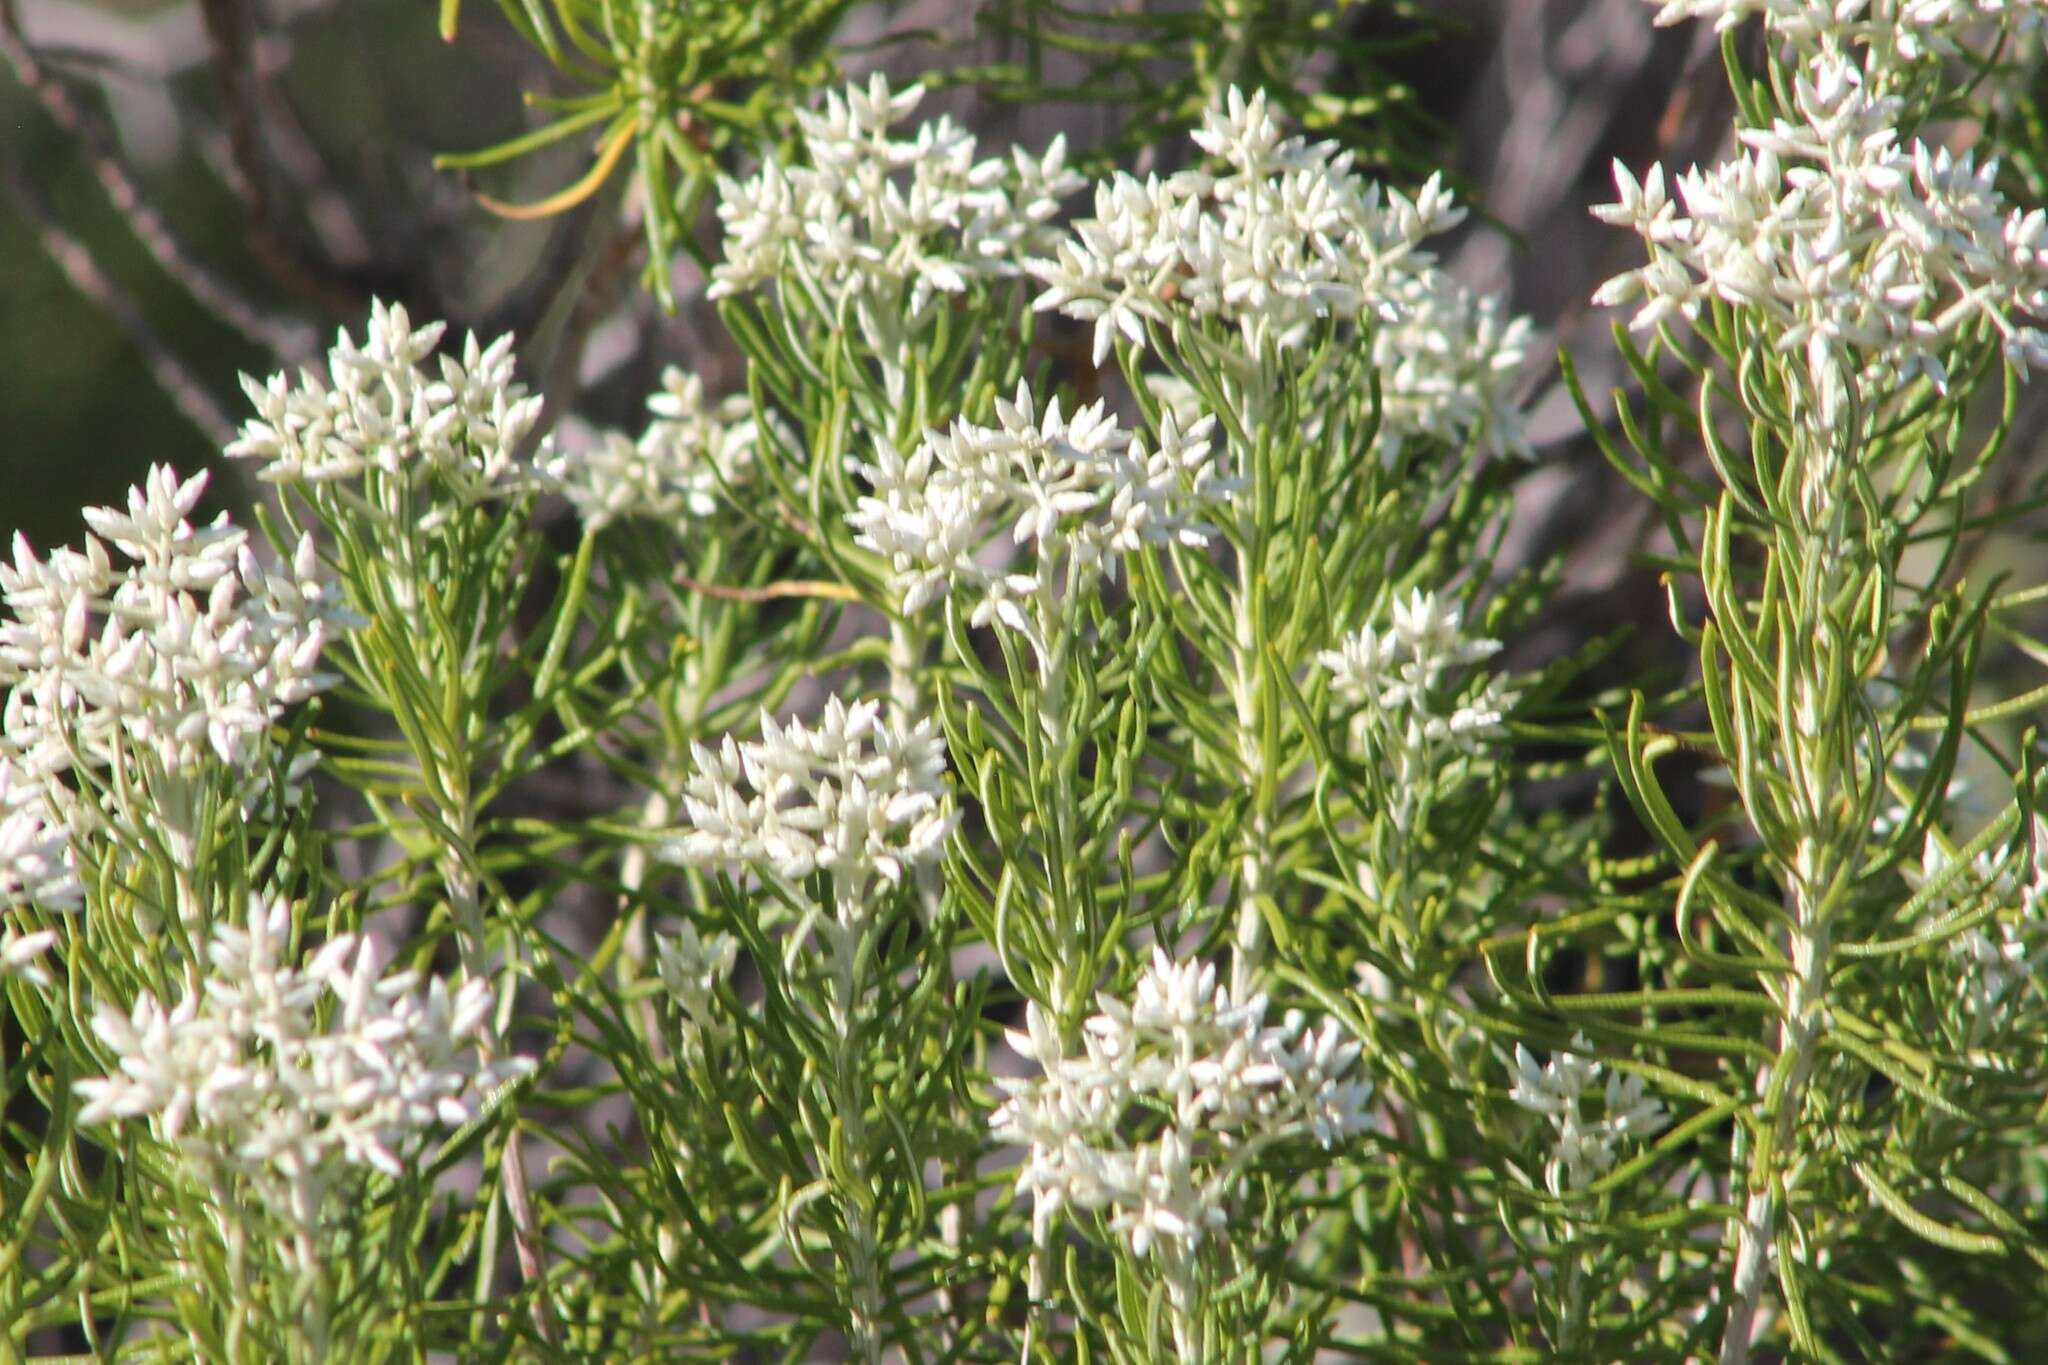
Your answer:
<point x="526" y="1234"/>
<point x="234" y="76"/>
<point x="592" y="288"/>
<point x="333" y="219"/>
<point x="768" y="592"/>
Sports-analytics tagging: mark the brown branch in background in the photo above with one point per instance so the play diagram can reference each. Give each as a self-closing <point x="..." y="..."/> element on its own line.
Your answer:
<point x="332" y="218"/>
<point x="282" y="337"/>
<point x="231" y="56"/>
<point x="526" y="1234"/>
<point x="591" y="288"/>
<point x="75" y="259"/>
<point x="1698" y="98"/>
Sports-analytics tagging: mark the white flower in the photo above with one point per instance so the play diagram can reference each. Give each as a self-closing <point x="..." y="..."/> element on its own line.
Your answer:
<point x="176" y="663"/>
<point x="691" y="967"/>
<point x="855" y="797"/>
<point x="1415" y="708"/>
<point x="1172" y="1097"/>
<point x="1078" y="491"/>
<point x="172" y="1062"/>
<point x="19" y="951"/>
<point x="37" y="864"/>
<point x="1113" y="268"/>
<point x="1167" y="1199"/>
<point x="1887" y="31"/>
<point x="382" y="409"/>
<point x="884" y="224"/>
<point x="1448" y="359"/>
<point x="691" y="457"/>
<point x="1284" y="234"/>
<point x="1869" y="258"/>
<point x="287" y="1073"/>
<point x="1323" y="1075"/>
<point x="1583" y="1148"/>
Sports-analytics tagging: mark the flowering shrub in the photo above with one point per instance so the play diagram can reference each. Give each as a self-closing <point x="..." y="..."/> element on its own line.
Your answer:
<point x="1065" y="861"/>
<point x="244" y="1080"/>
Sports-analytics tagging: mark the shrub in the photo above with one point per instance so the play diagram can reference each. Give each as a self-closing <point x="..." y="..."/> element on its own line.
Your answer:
<point x="1075" y="866"/>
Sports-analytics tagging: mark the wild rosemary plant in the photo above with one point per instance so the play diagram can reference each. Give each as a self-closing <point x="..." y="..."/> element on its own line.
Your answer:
<point x="1843" y="313"/>
<point x="946" y="854"/>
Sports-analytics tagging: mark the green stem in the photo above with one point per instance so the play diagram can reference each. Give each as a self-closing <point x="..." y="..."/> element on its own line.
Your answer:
<point x="1255" y="868"/>
<point x="1799" y="1031"/>
<point x="1820" y="699"/>
<point x="1073" y="973"/>
<point x="1073" y="970"/>
<point x="1251" y="702"/>
<point x="908" y="704"/>
<point x="856" y="1195"/>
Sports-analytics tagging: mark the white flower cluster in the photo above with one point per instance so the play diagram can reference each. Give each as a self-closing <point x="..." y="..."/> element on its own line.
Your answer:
<point x="1868" y="257"/>
<point x="1283" y="235"/>
<point x="286" y="1075"/>
<point x="1158" y="1120"/>
<point x="1447" y="359"/>
<point x="38" y="866"/>
<point x="384" y="411"/>
<point x="690" y="457"/>
<point x="855" y="797"/>
<point x="692" y="965"/>
<point x="19" y="951"/>
<point x="882" y="222"/>
<point x="181" y="659"/>
<point x="1584" y="1149"/>
<point x="1996" y="964"/>
<point x="1080" y="490"/>
<point x="1404" y="680"/>
<point x="1905" y="29"/>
